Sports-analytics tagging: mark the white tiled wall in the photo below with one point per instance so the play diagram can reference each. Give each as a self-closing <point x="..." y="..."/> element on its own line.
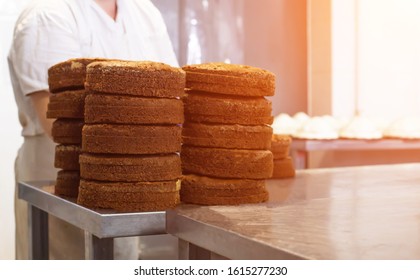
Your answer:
<point x="10" y="138"/>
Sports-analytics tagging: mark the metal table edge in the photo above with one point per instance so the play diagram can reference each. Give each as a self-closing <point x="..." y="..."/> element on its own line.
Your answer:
<point x="174" y="219"/>
<point x="25" y="190"/>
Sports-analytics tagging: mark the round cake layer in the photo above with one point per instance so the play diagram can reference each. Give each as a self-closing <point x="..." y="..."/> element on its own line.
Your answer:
<point x="283" y="168"/>
<point x="131" y="187"/>
<point x="67" y="183"/>
<point x="231" y="79"/>
<point x="67" y="157"/>
<point x="227" y="163"/>
<point x="130" y="168"/>
<point x="227" y="136"/>
<point x="131" y="139"/>
<point x="196" y="198"/>
<point x="70" y="74"/>
<point x="142" y="78"/>
<point x="67" y="131"/>
<point x="158" y="205"/>
<point x="67" y="104"/>
<point x="116" y="194"/>
<point x="119" y="109"/>
<point x="280" y="146"/>
<point x="206" y="186"/>
<point x="202" y="107"/>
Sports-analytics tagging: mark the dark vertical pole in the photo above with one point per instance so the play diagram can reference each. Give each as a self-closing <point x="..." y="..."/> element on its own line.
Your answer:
<point x="38" y="233"/>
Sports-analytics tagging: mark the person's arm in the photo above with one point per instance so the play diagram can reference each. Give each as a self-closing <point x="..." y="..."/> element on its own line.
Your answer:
<point x="40" y="101"/>
<point x="45" y="34"/>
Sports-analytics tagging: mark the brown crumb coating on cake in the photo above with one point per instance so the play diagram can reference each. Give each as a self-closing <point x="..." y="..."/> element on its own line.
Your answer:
<point x="120" y="197"/>
<point x="67" y="183"/>
<point x="207" y="186"/>
<point x="125" y="168"/>
<point x="67" y="131"/>
<point x="70" y="74"/>
<point x="141" y="78"/>
<point x="280" y="146"/>
<point x="227" y="136"/>
<point x="283" y="168"/>
<point x="68" y="104"/>
<point x="227" y="163"/>
<point x="203" y="107"/>
<point x="125" y="194"/>
<point x="119" y="109"/>
<point x="197" y="198"/>
<point x="131" y="139"/>
<point x="132" y="187"/>
<point x="121" y="206"/>
<point x="231" y="79"/>
<point x="67" y="157"/>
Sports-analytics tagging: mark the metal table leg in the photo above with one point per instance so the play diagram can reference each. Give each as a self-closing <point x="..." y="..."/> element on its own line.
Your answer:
<point x="38" y="233"/>
<point x="98" y="248"/>
<point x="189" y="251"/>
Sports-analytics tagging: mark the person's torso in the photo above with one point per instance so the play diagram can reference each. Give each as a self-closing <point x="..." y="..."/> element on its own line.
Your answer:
<point x="133" y="35"/>
<point x="136" y="34"/>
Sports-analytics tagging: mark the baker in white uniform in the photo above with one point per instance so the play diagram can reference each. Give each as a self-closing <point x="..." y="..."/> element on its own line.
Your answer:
<point x="52" y="31"/>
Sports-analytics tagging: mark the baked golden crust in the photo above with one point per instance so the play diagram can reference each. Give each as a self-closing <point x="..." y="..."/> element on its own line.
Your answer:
<point x="231" y="79"/>
<point x="227" y="136"/>
<point x="207" y="186"/>
<point x="283" y="168"/>
<point x="127" y="192"/>
<point x="280" y="146"/>
<point x="68" y="104"/>
<point x="67" y="183"/>
<point x="131" y="139"/>
<point x="132" y="187"/>
<point x="282" y="139"/>
<point x="70" y="74"/>
<point x="121" y="206"/>
<point x="203" y="107"/>
<point x="141" y="78"/>
<point x="197" y="198"/>
<point x="227" y="163"/>
<point x="125" y="168"/>
<point x="119" y="109"/>
<point x="67" y="157"/>
<point x="227" y="69"/>
<point x="67" y="131"/>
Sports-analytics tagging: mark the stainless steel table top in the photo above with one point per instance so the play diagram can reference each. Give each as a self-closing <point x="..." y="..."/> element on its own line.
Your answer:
<point x="101" y="223"/>
<point x="369" y="212"/>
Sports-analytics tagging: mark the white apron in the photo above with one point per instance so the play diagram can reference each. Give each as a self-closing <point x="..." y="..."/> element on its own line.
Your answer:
<point x="34" y="162"/>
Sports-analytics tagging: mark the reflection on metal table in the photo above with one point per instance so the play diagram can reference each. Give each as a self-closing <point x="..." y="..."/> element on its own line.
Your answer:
<point x="365" y="212"/>
<point x="100" y="226"/>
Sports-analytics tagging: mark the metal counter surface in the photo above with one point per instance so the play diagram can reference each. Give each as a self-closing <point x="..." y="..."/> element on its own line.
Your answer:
<point x="370" y="212"/>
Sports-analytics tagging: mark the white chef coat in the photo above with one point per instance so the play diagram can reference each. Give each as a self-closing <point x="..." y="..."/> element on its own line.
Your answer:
<point x="51" y="31"/>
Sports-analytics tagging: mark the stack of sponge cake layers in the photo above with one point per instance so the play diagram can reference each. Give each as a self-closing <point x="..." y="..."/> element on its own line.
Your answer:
<point x="132" y="136"/>
<point x="66" y="83"/>
<point x="226" y="153"/>
<point x="282" y="163"/>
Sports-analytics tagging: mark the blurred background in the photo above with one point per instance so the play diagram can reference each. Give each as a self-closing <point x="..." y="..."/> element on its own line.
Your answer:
<point x="330" y="57"/>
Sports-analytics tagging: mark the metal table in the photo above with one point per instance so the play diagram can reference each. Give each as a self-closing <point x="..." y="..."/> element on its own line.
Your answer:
<point x="100" y="226"/>
<point x="368" y="212"/>
<point x="301" y="147"/>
